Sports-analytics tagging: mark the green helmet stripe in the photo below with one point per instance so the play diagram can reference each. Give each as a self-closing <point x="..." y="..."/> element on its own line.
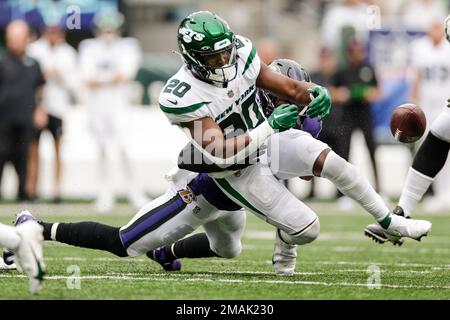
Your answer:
<point x="250" y="59"/>
<point x="183" y="110"/>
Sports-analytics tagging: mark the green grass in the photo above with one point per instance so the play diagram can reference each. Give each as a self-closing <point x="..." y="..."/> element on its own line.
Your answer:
<point x="335" y="266"/>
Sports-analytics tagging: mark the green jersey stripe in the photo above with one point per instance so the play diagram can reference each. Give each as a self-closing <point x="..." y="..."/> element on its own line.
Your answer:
<point x="229" y="189"/>
<point x="250" y="59"/>
<point x="182" y="110"/>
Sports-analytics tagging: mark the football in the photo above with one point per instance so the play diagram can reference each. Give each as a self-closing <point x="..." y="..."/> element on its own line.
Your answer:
<point x="408" y="123"/>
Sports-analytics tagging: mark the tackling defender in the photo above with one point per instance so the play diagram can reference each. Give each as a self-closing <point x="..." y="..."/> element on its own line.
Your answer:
<point x="423" y="170"/>
<point x="217" y="85"/>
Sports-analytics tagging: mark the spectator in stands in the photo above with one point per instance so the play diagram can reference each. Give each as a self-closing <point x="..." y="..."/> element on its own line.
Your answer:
<point x="431" y="69"/>
<point x="58" y="63"/>
<point x="108" y="62"/>
<point x="355" y="87"/>
<point x="21" y="83"/>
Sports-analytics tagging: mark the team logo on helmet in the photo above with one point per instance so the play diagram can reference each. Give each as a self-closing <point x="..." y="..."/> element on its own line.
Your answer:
<point x="189" y="34"/>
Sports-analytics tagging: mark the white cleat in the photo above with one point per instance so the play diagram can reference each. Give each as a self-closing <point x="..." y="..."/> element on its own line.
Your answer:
<point x="29" y="254"/>
<point x="378" y="234"/>
<point x="410" y="228"/>
<point x="284" y="257"/>
<point x="399" y="229"/>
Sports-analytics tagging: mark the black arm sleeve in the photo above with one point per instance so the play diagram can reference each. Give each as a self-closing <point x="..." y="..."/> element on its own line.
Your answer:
<point x="192" y="159"/>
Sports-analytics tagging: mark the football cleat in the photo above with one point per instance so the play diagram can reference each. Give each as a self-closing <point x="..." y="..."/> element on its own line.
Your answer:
<point x="378" y="234"/>
<point x="284" y="257"/>
<point x="29" y="255"/>
<point x="23" y="216"/>
<point x="399" y="227"/>
<point x="159" y="255"/>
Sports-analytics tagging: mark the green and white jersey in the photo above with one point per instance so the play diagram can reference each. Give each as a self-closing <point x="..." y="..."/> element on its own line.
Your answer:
<point x="186" y="98"/>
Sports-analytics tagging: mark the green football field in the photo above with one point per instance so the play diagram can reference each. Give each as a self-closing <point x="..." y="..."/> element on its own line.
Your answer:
<point x="338" y="265"/>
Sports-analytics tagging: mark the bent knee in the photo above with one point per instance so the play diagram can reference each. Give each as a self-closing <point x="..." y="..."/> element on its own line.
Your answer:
<point x="229" y="252"/>
<point x="307" y="235"/>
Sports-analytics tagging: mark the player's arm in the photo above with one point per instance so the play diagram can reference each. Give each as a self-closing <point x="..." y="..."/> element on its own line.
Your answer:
<point x="299" y="92"/>
<point x="207" y="134"/>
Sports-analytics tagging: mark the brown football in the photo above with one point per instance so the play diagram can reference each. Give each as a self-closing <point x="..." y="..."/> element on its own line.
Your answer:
<point x="408" y="123"/>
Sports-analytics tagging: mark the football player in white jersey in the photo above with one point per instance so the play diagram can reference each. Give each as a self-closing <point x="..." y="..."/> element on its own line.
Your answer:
<point x="227" y="94"/>
<point x="428" y="162"/>
<point x="212" y="98"/>
<point x="108" y="63"/>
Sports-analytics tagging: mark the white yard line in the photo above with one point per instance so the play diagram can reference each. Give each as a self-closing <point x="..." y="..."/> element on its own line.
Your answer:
<point x="236" y="281"/>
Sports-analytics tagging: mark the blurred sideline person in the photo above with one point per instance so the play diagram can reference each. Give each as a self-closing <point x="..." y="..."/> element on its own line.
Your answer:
<point x="429" y="160"/>
<point x="332" y="126"/>
<point x="25" y="241"/>
<point x="355" y="87"/>
<point x="58" y="62"/>
<point x="108" y="62"/>
<point x="431" y="66"/>
<point x="21" y="84"/>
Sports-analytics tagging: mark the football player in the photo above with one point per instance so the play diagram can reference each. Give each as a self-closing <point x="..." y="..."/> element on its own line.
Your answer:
<point x="423" y="170"/>
<point x="214" y="93"/>
<point x="212" y="98"/>
<point x="25" y="241"/>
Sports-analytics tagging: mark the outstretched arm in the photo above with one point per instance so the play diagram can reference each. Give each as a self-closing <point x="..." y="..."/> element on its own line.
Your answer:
<point x="299" y="92"/>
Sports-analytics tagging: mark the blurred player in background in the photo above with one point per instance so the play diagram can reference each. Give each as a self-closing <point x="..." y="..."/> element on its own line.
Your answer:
<point x="431" y="66"/>
<point x="21" y="84"/>
<point x="429" y="160"/>
<point x="108" y="62"/>
<point x="58" y="61"/>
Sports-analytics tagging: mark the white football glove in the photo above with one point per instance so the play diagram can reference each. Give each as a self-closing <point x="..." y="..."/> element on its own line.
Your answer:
<point x="447" y="28"/>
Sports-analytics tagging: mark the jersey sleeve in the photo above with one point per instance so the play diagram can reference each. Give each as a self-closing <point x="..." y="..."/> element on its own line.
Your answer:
<point x="251" y="63"/>
<point x="180" y="103"/>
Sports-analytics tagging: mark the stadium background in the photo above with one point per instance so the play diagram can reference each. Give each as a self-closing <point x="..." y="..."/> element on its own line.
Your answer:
<point x="294" y="26"/>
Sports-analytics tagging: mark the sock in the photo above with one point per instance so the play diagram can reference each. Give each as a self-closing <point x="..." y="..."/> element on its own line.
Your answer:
<point x="431" y="156"/>
<point x="9" y="238"/>
<point x="354" y="185"/>
<point x="416" y="185"/>
<point x="47" y="230"/>
<point x="90" y="235"/>
<point x="195" y="246"/>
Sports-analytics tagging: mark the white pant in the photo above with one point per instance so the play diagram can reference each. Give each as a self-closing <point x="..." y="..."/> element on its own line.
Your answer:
<point x="178" y="213"/>
<point x="291" y="154"/>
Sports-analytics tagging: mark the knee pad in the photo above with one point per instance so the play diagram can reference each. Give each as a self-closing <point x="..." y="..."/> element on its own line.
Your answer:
<point x="230" y="251"/>
<point x="304" y="236"/>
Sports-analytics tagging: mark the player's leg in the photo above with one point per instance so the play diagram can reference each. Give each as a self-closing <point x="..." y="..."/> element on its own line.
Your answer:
<point x="256" y="189"/>
<point x="55" y="126"/>
<point x="425" y="167"/>
<point x="222" y="238"/>
<point x="22" y="137"/>
<point x="33" y="165"/>
<point x="25" y="241"/>
<point x="318" y="159"/>
<point x="366" y="125"/>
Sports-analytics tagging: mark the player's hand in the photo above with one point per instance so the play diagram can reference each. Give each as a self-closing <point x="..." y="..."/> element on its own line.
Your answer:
<point x="284" y="117"/>
<point x="447" y="28"/>
<point x="320" y="105"/>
